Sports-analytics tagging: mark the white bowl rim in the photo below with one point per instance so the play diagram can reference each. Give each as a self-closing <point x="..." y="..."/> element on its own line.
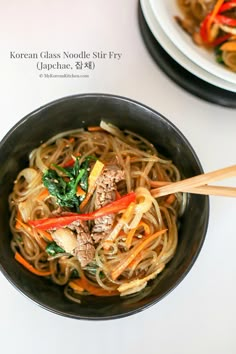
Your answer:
<point x="164" y="12"/>
<point x="177" y="55"/>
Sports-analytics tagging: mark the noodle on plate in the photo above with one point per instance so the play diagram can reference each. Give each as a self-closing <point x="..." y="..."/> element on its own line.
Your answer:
<point x="212" y="24"/>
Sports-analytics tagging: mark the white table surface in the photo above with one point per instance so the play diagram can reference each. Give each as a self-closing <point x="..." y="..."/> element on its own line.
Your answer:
<point x="199" y="315"/>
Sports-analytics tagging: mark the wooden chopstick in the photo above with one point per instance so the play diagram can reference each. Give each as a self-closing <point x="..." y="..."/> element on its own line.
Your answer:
<point x="199" y="184"/>
<point x="214" y="190"/>
<point x="209" y="190"/>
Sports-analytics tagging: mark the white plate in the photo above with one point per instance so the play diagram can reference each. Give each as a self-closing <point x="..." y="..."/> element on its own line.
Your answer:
<point x="176" y="54"/>
<point x="164" y="12"/>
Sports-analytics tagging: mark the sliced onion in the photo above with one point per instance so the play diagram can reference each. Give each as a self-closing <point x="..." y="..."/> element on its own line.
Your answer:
<point x="66" y="239"/>
<point x="25" y="209"/>
<point x="145" y="198"/>
<point x="112" y="129"/>
<point x="138" y="284"/>
<point x="228" y="29"/>
<point x="29" y="174"/>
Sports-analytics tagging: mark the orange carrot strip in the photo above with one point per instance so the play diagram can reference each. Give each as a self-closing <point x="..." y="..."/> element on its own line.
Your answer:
<point x="131" y="233"/>
<point x="125" y="219"/>
<point x="75" y="287"/>
<point x="43" y="194"/>
<point x="18" y="220"/>
<point x="29" y="266"/>
<point x="95" y="129"/>
<point x="71" y="140"/>
<point x="86" y="285"/>
<point x="80" y="192"/>
<point x="135" y="261"/>
<point x="170" y="199"/>
<point x="229" y="46"/>
<point x="20" y="225"/>
<point x="45" y="235"/>
<point x="133" y="253"/>
<point x="213" y="15"/>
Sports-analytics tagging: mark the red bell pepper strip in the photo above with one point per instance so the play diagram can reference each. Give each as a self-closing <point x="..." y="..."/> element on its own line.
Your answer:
<point x="225" y="20"/>
<point x="207" y="22"/>
<point x="227" y="6"/>
<point x="204" y="29"/>
<point x="220" y="40"/>
<point x="62" y="221"/>
<point x="71" y="161"/>
<point x="204" y="33"/>
<point x="214" y="17"/>
<point x="213" y="14"/>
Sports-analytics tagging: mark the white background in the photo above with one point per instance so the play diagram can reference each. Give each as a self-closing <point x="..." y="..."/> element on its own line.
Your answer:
<point x="199" y="315"/>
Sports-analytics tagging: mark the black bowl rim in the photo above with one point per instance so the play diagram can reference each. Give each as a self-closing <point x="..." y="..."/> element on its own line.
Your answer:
<point x="28" y="295"/>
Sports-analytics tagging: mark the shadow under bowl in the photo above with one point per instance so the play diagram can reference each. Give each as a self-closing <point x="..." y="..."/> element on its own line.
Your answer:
<point x="81" y="111"/>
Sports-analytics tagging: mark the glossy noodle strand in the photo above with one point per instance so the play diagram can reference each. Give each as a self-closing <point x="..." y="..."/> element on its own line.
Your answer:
<point x="125" y="237"/>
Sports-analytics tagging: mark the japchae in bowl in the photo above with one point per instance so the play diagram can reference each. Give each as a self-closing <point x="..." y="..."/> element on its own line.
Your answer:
<point x="84" y="233"/>
<point x="203" y="30"/>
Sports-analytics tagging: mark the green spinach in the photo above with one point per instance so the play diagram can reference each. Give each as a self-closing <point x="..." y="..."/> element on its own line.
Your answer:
<point x="52" y="249"/>
<point x="64" y="189"/>
<point x="219" y="55"/>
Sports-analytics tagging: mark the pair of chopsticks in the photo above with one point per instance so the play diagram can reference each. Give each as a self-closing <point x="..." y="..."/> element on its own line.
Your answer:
<point x="198" y="184"/>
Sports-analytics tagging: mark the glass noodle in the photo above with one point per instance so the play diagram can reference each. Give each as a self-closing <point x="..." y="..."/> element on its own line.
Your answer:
<point x="143" y="236"/>
<point x="212" y="24"/>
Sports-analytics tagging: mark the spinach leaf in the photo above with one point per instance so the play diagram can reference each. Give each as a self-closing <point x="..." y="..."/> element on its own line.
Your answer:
<point x="219" y="55"/>
<point x="74" y="170"/>
<point x="54" y="183"/>
<point x="84" y="178"/>
<point x="52" y="249"/>
<point x="65" y="191"/>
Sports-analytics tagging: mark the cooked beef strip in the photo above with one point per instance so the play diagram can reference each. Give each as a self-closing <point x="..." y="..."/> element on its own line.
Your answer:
<point x="106" y="185"/>
<point x="105" y="194"/>
<point x="82" y="246"/>
<point x="85" y="250"/>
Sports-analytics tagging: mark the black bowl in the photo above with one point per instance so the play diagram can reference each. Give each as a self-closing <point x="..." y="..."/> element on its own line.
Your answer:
<point x="81" y="111"/>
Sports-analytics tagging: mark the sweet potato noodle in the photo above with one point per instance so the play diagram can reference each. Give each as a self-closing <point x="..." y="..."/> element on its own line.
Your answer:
<point x="212" y="24"/>
<point x="82" y="212"/>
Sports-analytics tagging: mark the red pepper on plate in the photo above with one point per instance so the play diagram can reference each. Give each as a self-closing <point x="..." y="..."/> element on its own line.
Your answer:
<point x="216" y="17"/>
<point x="204" y="29"/>
<point x="225" y="20"/>
<point x="221" y="39"/>
<point x="227" y="6"/>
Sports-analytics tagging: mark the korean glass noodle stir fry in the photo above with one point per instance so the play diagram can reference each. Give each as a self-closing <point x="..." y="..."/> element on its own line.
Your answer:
<point x="212" y="24"/>
<point x="83" y="212"/>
